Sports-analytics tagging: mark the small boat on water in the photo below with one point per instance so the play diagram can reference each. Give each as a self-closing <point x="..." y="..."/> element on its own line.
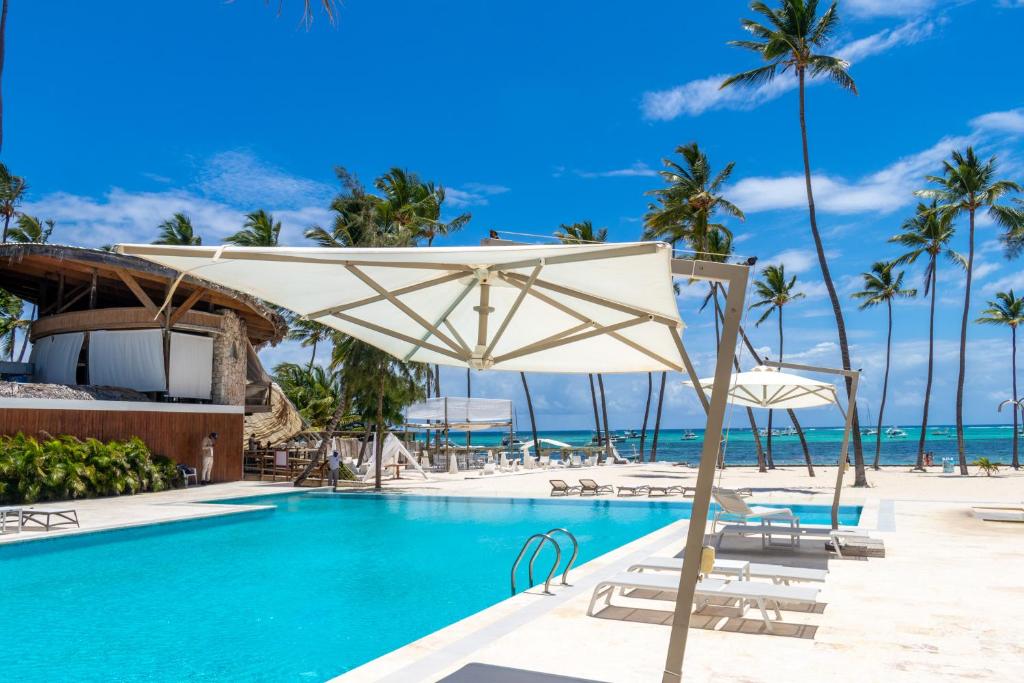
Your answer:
<point x="689" y="436"/>
<point x="516" y="442"/>
<point x="895" y="433"/>
<point x="940" y="432"/>
<point x="630" y="434"/>
<point x="871" y="431"/>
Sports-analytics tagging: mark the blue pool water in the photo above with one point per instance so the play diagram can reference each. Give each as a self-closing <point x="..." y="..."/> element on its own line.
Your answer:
<point x="303" y="592"/>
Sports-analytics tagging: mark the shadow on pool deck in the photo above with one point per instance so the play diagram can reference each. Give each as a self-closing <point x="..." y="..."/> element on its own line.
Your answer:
<point x="489" y="673"/>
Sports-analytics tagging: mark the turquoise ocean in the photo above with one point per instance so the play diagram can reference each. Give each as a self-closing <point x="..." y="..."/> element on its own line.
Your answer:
<point x="990" y="441"/>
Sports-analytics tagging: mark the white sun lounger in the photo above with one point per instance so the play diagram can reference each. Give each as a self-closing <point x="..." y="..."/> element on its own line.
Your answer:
<point x="731" y="505"/>
<point x="756" y="593"/>
<point x="776" y="572"/>
<point x="766" y="531"/>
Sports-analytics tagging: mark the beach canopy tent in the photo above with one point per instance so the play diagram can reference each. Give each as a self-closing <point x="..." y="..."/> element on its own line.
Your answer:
<point x="766" y="386"/>
<point x="393" y="452"/>
<point x="459" y="413"/>
<point x="583" y="308"/>
<point x="546" y="308"/>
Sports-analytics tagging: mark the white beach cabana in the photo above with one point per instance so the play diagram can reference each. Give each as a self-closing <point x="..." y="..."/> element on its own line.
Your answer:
<point x="503" y="306"/>
<point x="766" y="386"/>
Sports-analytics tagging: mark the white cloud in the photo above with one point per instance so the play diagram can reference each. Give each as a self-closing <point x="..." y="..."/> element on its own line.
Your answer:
<point x="472" y="194"/>
<point x="796" y="261"/>
<point x="637" y="169"/>
<point x="697" y="96"/>
<point x="1014" y="281"/>
<point x="1011" y="121"/>
<point x="881" y="192"/>
<point x="241" y="178"/>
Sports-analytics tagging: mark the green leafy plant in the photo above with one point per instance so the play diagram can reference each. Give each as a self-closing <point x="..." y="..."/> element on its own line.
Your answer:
<point x="66" y="468"/>
<point x="987" y="466"/>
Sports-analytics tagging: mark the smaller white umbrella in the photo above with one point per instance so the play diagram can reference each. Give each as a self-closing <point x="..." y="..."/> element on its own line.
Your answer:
<point x="551" y="442"/>
<point x="765" y="387"/>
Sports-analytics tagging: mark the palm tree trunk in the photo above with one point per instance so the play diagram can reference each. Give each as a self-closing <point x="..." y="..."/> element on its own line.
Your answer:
<point x="363" y="445"/>
<point x="437" y="394"/>
<point x="430" y="376"/>
<point x="1015" y="462"/>
<point x="24" y="338"/>
<point x="379" y="449"/>
<point x="647" y="412"/>
<point x="719" y="316"/>
<point x="312" y="357"/>
<point x="885" y="387"/>
<point x="533" y="418"/>
<point x="593" y="400"/>
<point x="657" y="419"/>
<point x="325" y="443"/>
<point x="860" y="477"/>
<point x="960" y="445"/>
<point x="919" y="465"/>
<point x="469" y="394"/>
<point x="604" y="412"/>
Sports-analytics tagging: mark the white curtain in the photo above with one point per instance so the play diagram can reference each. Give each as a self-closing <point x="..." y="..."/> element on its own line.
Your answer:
<point x="133" y="359"/>
<point x="191" y="373"/>
<point x="55" y="358"/>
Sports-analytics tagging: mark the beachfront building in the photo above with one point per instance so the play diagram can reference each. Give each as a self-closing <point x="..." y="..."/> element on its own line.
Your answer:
<point x="122" y="347"/>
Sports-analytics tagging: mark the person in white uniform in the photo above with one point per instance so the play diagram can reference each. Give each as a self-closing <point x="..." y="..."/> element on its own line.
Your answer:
<point x="208" y="443"/>
<point x="333" y="467"/>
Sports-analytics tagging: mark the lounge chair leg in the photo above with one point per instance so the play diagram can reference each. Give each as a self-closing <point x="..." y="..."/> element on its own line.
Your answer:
<point x="764" y="615"/>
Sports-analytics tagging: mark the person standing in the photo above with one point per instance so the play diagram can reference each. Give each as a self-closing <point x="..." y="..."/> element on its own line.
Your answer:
<point x="333" y="465"/>
<point x="208" y="443"/>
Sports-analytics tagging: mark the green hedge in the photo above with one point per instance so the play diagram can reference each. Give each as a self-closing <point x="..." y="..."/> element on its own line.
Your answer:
<point x="65" y="467"/>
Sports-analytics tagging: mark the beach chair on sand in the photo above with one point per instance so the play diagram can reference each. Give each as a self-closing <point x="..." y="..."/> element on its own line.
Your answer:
<point x="592" y="488"/>
<point x="776" y="573"/>
<point x="739" y="594"/>
<point x="731" y="505"/>
<point x="627" y="491"/>
<point x="560" y="488"/>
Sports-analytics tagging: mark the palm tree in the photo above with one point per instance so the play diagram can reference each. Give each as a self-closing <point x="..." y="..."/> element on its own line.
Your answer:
<point x="1012" y="218"/>
<point x="647" y="412"/>
<point x="1008" y="310"/>
<point x="178" y="230"/>
<point x="657" y="419"/>
<point x="11" y="321"/>
<point x="967" y="186"/>
<point x="308" y="333"/>
<point x="31" y="229"/>
<point x="788" y="44"/>
<point x="259" y="230"/>
<point x="315" y="391"/>
<point x="687" y="206"/>
<point x="928" y="232"/>
<point x="533" y="418"/>
<point x="881" y="286"/>
<point x="12" y="187"/>
<point x="775" y="293"/>
<point x="583" y="232"/>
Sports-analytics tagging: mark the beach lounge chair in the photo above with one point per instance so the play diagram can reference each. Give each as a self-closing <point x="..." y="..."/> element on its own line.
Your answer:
<point x="731" y="505"/>
<point x="626" y="491"/>
<point x="12" y="513"/>
<point x="49" y="518"/>
<point x="591" y="487"/>
<point x="841" y="541"/>
<point x="777" y="573"/>
<point x="560" y="488"/>
<point x="764" y="596"/>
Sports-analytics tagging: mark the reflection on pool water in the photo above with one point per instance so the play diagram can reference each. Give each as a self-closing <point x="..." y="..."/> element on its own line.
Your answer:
<point x="314" y="586"/>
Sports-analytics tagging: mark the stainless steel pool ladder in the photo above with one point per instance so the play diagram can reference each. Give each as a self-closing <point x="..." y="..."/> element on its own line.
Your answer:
<point x="541" y="540"/>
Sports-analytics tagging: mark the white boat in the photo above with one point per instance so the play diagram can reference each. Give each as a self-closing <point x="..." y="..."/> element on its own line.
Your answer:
<point x="895" y="433"/>
<point x="689" y="436"/>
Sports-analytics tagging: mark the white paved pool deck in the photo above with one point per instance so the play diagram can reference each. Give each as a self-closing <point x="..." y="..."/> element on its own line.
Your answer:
<point x="944" y="604"/>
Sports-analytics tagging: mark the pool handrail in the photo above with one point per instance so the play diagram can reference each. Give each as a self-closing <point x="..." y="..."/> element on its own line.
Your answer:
<point x="575" y="551"/>
<point x="554" y="567"/>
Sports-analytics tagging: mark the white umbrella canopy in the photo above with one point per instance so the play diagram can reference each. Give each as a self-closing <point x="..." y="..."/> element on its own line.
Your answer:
<point x="765" y="387"/>
<point x="534" y="308"/>
<point x="551" y="442"/>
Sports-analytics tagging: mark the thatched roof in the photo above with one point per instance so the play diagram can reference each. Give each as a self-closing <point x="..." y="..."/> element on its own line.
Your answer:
<point x="65" y="392"/>
<point x="38" y="272"/>
<point x="278" y="425"/>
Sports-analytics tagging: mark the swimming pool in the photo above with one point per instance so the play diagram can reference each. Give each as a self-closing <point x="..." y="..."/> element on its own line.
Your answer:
<point x="313" y="587"/>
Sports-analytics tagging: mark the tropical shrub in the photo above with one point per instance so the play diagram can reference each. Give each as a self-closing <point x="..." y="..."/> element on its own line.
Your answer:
<point x="987" y="466"/>
<point x="65" y="468"/>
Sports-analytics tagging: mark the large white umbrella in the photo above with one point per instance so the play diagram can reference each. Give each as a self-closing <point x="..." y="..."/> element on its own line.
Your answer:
<point x="495" y="307"/>
<point x="766" y="387"/>
<point x="548" y="308"/>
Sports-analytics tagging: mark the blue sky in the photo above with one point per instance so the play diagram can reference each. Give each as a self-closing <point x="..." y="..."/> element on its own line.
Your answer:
<point x="533" y="114"/>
